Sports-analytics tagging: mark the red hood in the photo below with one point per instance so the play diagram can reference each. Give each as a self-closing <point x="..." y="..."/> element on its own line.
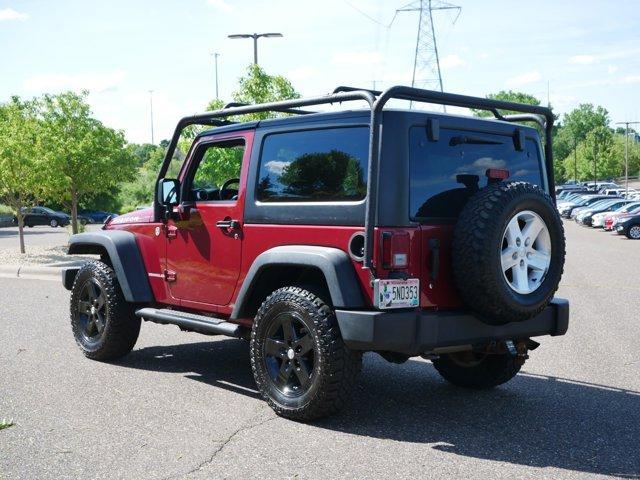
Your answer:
<point x="138" y="216"/>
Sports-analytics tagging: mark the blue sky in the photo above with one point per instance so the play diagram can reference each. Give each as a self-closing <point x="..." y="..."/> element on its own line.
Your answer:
<point x="585" y="51"/>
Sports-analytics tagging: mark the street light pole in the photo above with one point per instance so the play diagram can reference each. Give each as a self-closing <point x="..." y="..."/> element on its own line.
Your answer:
<point x="215" y="56"/>
<point x="626" y="153"/>
<point x="151" y="111"/>
<point x="255" y="37"/>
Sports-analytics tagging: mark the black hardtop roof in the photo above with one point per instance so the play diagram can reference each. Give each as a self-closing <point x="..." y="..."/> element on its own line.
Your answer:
<point x="364" y="115"/>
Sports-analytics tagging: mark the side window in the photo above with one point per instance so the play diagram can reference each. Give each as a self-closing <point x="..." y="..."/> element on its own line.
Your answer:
<point x="314" y="166"/>
<point x="219" y="164"/>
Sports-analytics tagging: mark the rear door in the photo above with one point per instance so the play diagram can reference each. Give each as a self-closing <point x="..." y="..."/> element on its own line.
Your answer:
<point x="443" y="175"/>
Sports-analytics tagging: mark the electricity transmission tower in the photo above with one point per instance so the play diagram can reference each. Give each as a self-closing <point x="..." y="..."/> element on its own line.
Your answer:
<point x="426" y="64"/>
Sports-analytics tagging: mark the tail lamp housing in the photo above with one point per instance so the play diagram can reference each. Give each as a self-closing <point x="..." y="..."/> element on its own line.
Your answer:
<point x="394" y="250"/>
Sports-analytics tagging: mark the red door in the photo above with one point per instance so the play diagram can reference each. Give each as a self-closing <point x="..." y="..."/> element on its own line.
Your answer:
<point x="204" y="247"/>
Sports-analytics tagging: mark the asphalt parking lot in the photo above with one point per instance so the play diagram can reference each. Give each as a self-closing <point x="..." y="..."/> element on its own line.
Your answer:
<point x="41" y="236"/>
<point x="185" y="406"/>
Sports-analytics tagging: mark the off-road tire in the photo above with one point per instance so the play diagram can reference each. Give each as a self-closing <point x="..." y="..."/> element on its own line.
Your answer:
<point x="493" y="370"/>
<point x="476" y="251"/>
<point x="121" y="324"/>
<point x="335" y="369"/>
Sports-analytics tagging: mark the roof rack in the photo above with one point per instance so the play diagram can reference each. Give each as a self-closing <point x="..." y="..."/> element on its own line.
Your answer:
<point x="376" y="101"/>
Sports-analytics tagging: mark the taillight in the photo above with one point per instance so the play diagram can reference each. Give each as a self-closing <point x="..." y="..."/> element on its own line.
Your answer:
<point x="394" y="250"/>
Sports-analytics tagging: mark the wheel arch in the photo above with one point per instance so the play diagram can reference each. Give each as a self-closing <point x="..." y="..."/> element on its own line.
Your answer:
<point x="121" y="249"/>
<point x="326" y="270"/>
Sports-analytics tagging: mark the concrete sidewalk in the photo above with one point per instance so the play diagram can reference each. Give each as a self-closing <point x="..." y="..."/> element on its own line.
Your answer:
<point x="38" y="272"/>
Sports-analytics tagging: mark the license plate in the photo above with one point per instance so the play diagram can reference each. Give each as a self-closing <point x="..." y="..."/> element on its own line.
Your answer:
<point x="396" y="293"/>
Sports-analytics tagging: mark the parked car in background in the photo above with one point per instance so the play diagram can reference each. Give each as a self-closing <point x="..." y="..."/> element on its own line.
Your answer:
<point x="599" y="218"/>
<point x="629" y="225"/>
<point x="585" y="217"/>
<point x="94" y="216"/>
<point x="564" y="194"/>
<point x="584" y="201"/>
<point x="611" y="220"/>
<point x="44" y="216"/>
<point x="613" y="191"/>
<point x="578" y="210"/>
<point x="597" y="186"/>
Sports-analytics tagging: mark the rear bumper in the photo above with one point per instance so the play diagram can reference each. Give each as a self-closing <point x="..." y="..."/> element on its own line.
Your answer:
<point x="414" y="332"/>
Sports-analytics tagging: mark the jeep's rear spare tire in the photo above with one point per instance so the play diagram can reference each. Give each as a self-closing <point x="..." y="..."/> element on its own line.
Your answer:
<point x="508" y="252"/>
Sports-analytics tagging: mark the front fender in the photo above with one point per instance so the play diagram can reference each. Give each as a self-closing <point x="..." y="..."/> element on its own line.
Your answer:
<point x="125" y="257"/>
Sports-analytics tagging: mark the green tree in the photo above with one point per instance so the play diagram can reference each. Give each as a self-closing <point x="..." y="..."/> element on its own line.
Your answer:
<point x="19" y="159"/>
<point x="575" y="127"/>
<point x="259" y="87"/>
<point x="507" y="96"/>
<point x="84" y="157"/>
<point x="597" y="156"/>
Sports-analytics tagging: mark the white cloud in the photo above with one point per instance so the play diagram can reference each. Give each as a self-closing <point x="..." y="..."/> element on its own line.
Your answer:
<point x="302" y="73"/>
<point x="94" y="82"/>
<point x="220" y="5"/>
<point x="524" y="79"/>
<point x="452" y="61"/>
<point x="275" y="166"/>
<point x="11" y="14"/>
<point x="612" y="69"/>
<point x="630" y="79"/>
<point x="357" y="58"/>
<point x="582" y="59"/>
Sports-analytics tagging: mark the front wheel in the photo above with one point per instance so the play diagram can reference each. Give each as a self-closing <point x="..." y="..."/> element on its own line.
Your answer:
<point x="634" y="232"/>
<point x="300" y="364"/>
<point x="477" y="370"/>
<point x="103" y="322"/>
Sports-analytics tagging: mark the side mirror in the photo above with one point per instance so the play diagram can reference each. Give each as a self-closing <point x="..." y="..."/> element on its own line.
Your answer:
<point x="169" y="192"/>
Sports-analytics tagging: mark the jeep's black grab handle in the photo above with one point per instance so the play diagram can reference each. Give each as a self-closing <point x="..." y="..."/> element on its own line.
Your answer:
<point x="434" y="247"/>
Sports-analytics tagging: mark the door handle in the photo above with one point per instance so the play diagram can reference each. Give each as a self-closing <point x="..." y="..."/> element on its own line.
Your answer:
<point x="228" y="224"/>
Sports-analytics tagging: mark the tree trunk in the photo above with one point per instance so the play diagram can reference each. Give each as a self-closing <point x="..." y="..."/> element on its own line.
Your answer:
<point x="20" y="227"/>
<point x="74" y="211"/>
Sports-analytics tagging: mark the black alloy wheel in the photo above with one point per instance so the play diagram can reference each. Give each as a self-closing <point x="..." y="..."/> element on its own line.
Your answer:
<point x="92" y="310"/>
<point x="104" y="324"/>
<point x="300" y="363"/>
<point x="288" y="354"/>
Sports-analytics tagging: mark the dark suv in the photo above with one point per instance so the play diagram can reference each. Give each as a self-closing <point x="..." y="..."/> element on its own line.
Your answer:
<point x="404" y="232"/>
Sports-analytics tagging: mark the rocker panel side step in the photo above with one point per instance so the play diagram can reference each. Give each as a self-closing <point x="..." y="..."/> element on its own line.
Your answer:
<point x="190" y="321"/>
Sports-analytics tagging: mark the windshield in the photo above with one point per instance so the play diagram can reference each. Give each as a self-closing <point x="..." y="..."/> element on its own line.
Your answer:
<point x="443" y="174"/>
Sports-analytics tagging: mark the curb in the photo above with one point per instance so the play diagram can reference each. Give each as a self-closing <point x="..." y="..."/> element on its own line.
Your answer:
<point x="52" y="272"/>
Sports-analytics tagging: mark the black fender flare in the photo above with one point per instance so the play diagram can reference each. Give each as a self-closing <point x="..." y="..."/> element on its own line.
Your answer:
<point x="335" y="265"/>
<point x="123" y="250"/>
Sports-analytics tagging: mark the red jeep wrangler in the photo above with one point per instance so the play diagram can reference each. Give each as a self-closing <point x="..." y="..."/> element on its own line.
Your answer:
<point x="403" y="232"/>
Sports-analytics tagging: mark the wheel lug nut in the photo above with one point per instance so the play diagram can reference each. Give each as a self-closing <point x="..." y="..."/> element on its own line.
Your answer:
<point x="528" y="254"/>
<point x="518" y="241"/>
<point x="527" y="242"/>
<point x="515" y="255"/>
<point x="522" y="263"/>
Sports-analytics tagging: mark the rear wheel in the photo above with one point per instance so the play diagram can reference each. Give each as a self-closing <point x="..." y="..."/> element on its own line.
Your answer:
<point x="103" y="322"/>
<point x="299" y="361"/>
<point x="53" y="223"/>
<point x="477" y="370"/>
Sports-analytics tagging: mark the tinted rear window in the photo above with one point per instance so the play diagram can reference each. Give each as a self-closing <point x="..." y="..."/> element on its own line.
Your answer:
<point x="445" y="173"/>
<point x="314" y="166"/>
